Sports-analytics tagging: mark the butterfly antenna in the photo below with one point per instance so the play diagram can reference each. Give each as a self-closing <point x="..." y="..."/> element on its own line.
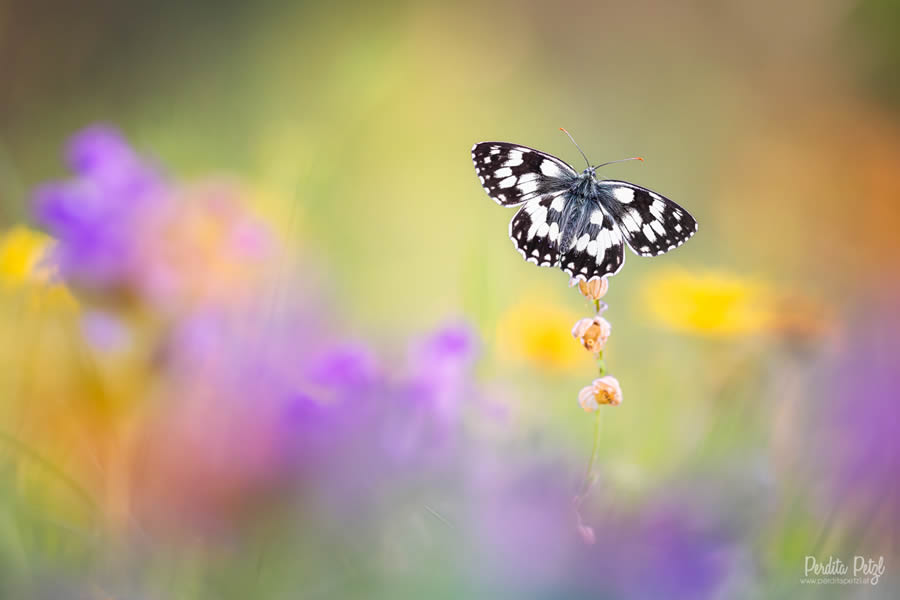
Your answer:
<point x="577" y="146"/>
<point x="612" y="162"/>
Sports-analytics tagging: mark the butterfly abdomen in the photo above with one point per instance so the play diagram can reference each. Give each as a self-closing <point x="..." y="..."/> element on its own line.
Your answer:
<point x="572" y="216"/>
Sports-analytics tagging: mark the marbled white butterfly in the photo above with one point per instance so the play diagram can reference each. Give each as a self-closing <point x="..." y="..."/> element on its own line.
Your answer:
<point x="574" y="220"/>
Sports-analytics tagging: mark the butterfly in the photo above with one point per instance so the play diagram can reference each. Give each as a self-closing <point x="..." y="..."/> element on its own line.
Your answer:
<point x="577" y="221"/>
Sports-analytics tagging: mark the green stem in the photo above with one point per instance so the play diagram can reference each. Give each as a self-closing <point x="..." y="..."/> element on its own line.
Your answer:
<point x="601" y="364"/>
<point x="586" y="481"/>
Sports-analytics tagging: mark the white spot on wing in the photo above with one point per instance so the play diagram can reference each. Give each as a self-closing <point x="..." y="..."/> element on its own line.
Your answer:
<point x="504" y="172"/>
<point x="550" y="168"/>
<point x="528" y="187"/>
<point x="623" y="194"/>
<point x="554" y="231"/>
<point x="514" y="158"/>
<point x="630" y="221"/>
<point x="508" y="182"/>
<point x="597" y="217"/>
<point x="558" y="203"/>
<point x="615" y="236"/>
<point x="648" y="232"/>
<point x="582" y="242"/>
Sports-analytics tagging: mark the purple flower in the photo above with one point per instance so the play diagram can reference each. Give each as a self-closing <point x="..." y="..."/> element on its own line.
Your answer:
<point x="421" y="417"/>
<point x="94" y="214"/>
<point x="660" y="551"/>
<point x="856" y="450"/>
<point x="526" y="530"/>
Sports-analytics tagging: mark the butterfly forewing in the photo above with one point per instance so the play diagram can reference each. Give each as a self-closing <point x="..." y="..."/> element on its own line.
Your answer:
<point x="650" y="223"/>
<point x="513" y="174"/>
<point x="597" y="249"/>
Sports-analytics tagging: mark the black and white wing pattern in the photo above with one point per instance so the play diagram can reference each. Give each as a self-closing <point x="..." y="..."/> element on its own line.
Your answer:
<point x="597" y="250"/>
<point x="513" y="174"/>
<point x="573" y="220"/>
<point x="536" y="229"/>
<point x="650" y="223"/>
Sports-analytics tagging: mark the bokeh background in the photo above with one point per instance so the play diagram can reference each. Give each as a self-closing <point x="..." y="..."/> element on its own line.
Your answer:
<point x="262" y="334"/>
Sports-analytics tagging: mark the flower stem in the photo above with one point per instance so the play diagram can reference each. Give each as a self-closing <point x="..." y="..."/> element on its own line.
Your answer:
<point x="587" y="482"/>
<point x="601" y="364"/>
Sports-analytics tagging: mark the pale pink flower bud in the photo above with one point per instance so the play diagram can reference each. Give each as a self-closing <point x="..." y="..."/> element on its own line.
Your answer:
<point x="592" y="333"/>
<point x="594" y="289"/>
<point x="605" y="390"/>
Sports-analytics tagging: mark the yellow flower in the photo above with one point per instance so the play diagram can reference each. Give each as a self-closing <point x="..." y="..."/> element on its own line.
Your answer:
<point x="708" y="303"/>
<point x="537" y="331"/>
<point x="23" y="252"/>
<point x="605" y="390"/>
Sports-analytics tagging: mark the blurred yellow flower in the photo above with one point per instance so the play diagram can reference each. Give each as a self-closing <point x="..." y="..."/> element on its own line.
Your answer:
<point x="708" y="303"/>
<point x="22" y="254"/>
<point x="21" y="251"/>
<point x="538" y="332"/>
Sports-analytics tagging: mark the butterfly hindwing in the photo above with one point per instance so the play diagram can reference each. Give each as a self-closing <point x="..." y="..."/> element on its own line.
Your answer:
<point x="650" y="223"/>
<point x="597" y="249"/>
<point x="512" y="174"/>
<point x="535" y="230"/>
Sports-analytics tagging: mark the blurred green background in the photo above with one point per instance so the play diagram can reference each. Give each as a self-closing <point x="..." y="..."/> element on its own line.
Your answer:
<point x="776" y="124"/>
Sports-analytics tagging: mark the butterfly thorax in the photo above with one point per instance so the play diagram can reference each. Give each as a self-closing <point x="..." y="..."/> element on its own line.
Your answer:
<point x="580" y="200"/>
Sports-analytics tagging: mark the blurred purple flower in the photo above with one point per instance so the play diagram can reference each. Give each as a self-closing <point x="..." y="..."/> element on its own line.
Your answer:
<point x="527" y="532"/>
<point x="523" y="525"/>
<point x="421" y="416"/>
<point x="858" y="449"/>
<point x="126" y="231"/>
<point x="344" y="366"/>
<point x="94" y="214"/>
<point x="661" y="551"/>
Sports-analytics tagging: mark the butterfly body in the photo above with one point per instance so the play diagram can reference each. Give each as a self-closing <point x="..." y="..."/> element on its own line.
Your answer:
<point x="574" y="220"/>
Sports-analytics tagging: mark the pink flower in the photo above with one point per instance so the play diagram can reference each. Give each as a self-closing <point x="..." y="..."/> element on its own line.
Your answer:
<point x="592" y="333"/>
<point x="605" y="390"/>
